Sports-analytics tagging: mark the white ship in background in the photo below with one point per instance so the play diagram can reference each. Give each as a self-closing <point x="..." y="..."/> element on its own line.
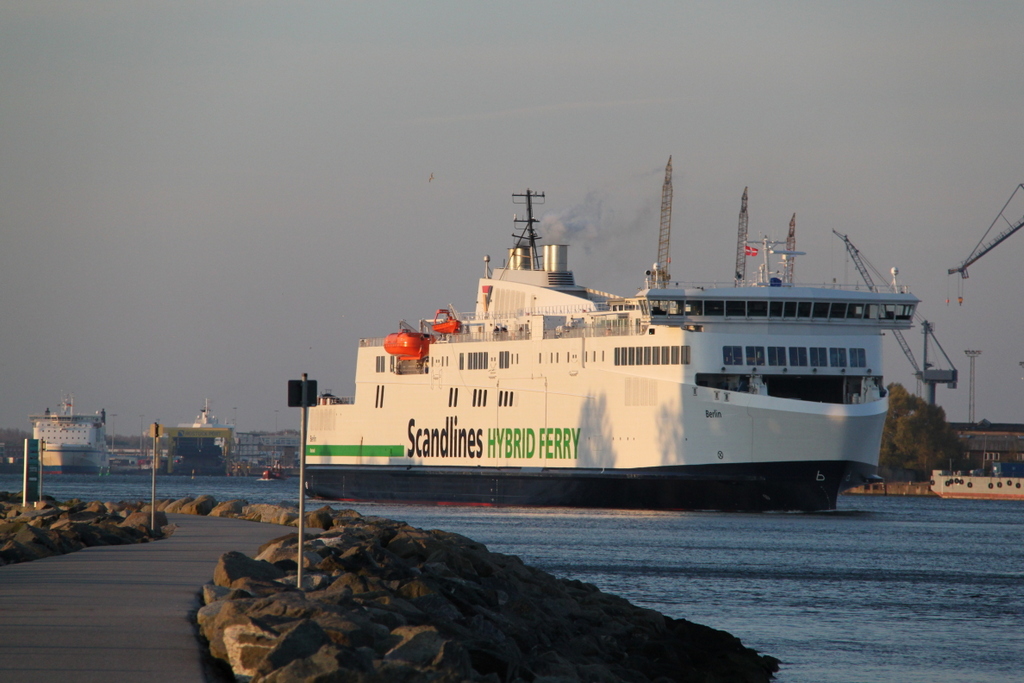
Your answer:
<point x="756" y="395"/>
<point x="72" y="444"/>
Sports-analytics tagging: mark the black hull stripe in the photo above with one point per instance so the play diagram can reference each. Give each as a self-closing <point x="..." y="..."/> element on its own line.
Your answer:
<point x="805" y="486"/>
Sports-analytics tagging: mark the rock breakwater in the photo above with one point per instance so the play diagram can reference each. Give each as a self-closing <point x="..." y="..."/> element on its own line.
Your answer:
<point x="50" y="528"/>
<point x="384" y="601"/>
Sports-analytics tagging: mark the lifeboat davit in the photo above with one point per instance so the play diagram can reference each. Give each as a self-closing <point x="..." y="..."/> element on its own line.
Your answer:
<point x="446" y="323"/>
<point x="408" y="345"/>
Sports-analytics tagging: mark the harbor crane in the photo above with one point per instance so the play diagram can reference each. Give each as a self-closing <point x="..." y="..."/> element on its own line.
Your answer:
<point x="926" y="372"/>
<point x="790" y="247"/>
<point x="741" y="242"/>
<point x="743" y="248"/>
<point x="661" y="275"/>
<point x="983" y="246"/>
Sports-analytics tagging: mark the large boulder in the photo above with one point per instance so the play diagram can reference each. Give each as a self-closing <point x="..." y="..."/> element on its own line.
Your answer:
<point x="176" y="506"/>
<point x="234" y="566"/>
<point x="320" y="519"/>
<point x="270" y="514"/>
<point x="142" y="520"/>
<point x="200" y="506"/>
<point x="229" y="508"/>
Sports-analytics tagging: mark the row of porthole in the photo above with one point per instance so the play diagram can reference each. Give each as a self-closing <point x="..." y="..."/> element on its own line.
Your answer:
<point x="998" y="484"/>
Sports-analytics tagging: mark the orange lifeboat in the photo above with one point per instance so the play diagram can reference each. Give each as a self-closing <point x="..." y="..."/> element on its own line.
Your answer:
<point x="408" y="345"/>
<point x="446" y="323"/>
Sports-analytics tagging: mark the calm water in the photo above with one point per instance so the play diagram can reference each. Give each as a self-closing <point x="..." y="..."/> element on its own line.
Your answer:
<point x="884" y="589"/>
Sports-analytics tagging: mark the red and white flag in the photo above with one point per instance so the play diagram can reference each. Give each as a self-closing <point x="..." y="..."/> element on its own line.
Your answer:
<point x="750" y="251"/>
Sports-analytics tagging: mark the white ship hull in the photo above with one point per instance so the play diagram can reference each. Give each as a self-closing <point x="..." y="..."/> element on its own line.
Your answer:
<point x="70" y="459"/>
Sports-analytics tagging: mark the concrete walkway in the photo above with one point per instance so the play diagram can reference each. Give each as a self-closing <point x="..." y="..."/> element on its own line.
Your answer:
<point x="117" y="613"/>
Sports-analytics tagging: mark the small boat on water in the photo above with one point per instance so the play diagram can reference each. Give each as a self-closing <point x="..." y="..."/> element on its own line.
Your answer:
<point x="275" y="473"/>
<point x="1005" y="481"/>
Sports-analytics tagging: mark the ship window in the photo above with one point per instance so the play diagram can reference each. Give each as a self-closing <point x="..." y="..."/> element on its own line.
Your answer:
<point x="694" y="307"/>
<point x="736" y="308"/>
<point x="798" y="356"/>
<point x="838" y="311"/>
<point x="819" y="357"/>
<point x="855" y="311"/>
<point x="837" y="357"/>
<point x="757" y="309"/>
<point x="755" y="355"/>
<point x="714" y="308"/>
<point x="858" y="358"/>
<point x="632" y="356"/>
<point x="776" y="355"/>
<point x="462" y="361"/>
<point x="656" y="356"/>
<point x="618" y="355"/>
<point x="888" y="312"/>
<point x="504" y="359"/>
<point x="820" y="309"/>
<point x="789" y="310"/>
<point x="647" y="355"/>
<point x="381" y="364"/>
<point x="685" y="351"/>
<point x="664" y="355"/>
<point x="904" y="311"/>
<point x="775" y="309"/>
<point x="602" y="356"/>
<point x="803" y="309"/>
<point x="731" y="355"/>
<point x="872" y="312"/>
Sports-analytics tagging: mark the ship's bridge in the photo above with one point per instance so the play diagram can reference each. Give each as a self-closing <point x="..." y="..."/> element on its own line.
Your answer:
<point x="838" y="304"/>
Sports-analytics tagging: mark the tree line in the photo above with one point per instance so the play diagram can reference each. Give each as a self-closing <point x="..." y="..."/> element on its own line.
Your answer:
<point x="917" y="436"/>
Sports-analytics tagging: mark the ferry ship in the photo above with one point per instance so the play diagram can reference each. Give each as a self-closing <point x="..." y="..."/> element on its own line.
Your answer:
<point x="71" y="444"/>
<point x="200" y="447"/>
<point x="756" y="395"/>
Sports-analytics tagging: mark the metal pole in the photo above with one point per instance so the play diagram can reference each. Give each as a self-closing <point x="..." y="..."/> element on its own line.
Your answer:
<point x="302" y="482"/>
<point x="972" y="354"/>
<point x="152" y="504"/>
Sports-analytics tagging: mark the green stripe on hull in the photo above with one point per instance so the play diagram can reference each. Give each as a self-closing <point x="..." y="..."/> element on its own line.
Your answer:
<point x="365" y="450"/>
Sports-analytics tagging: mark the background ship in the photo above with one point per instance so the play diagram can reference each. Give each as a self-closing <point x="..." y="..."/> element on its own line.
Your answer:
<point x="199" y="448"/>
<point x="72" y="444"/>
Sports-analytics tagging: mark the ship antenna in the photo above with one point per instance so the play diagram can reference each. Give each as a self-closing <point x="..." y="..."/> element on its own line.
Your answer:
<point x="528" y="235"/>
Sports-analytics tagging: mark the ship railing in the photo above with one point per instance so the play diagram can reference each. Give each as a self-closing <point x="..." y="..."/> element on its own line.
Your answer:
<point x="885" y="288"/>
<point x="499" y="332"/>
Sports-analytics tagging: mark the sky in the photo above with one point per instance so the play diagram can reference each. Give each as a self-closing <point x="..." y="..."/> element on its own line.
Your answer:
<point x="204" y="200"/>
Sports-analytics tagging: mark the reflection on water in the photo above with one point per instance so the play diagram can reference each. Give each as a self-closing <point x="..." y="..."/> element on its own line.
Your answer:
<point x="881" y="590"/>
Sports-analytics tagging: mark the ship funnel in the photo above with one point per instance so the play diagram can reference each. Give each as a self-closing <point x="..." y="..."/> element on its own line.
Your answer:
<point x="519" y="258"/>
<point x="556" y="258"/>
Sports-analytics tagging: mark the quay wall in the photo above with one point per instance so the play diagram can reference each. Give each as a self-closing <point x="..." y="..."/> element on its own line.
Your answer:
<point x="896" y="488"/>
